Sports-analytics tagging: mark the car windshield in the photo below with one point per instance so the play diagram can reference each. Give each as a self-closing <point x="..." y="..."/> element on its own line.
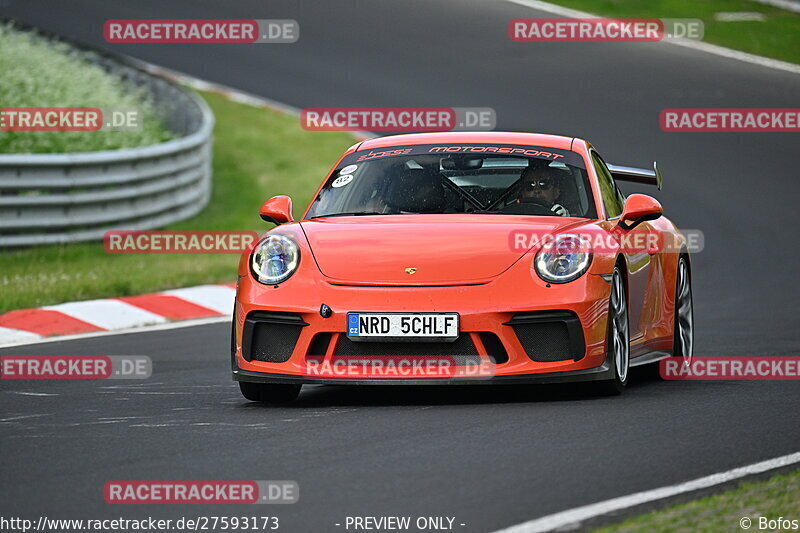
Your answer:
<point x="480" y="179"/>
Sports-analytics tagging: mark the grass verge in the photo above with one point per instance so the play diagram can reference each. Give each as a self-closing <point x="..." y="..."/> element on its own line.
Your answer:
<point x="257" y="154"/>
<point x="770" y="499"/>
<point x="777" y="36"/>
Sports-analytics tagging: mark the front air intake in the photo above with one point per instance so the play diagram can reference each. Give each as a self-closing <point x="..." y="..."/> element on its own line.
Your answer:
<point x="549" y="336"/>
<point x="271" y="337"/>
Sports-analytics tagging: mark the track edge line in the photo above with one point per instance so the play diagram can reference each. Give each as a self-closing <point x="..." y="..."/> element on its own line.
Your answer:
<point x="572" y="518"/>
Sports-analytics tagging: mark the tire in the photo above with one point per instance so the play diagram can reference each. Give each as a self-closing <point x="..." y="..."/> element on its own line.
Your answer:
<point x="683" y="339"/>
<point x="269" y="393"/>
<point x="618" y="339"/>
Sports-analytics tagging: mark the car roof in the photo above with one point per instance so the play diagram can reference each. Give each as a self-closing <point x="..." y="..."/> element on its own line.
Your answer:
<point x="449" y="137"/>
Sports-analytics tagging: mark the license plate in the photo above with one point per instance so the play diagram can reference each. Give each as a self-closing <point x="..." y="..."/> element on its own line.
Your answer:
<point x="402" y="326"/>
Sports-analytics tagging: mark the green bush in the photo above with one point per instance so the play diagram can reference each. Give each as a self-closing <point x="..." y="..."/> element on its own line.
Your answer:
<point x="39" y="73"/>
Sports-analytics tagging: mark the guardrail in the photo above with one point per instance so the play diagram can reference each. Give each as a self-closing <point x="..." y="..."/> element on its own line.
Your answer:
<point x="59" y="198"/>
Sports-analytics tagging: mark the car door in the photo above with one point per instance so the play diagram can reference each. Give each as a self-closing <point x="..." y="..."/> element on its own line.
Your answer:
<point x="638" y="259"/>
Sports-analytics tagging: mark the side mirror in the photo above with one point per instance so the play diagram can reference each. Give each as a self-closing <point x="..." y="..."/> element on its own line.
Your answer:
<point x="639" y="208"/>
<point x="277" y="209"/>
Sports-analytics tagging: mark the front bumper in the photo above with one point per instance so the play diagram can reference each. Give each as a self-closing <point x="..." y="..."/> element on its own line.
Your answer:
<point x="492" y="317"/>
<point x="600" y="373"/>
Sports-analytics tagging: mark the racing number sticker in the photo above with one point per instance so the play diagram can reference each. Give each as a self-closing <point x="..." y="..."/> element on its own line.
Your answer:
<point x="341" y="181"/>
<point x="349" y="169"/>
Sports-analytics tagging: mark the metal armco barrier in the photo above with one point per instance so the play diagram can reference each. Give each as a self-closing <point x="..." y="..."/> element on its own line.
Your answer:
<point x="59" y="198"/>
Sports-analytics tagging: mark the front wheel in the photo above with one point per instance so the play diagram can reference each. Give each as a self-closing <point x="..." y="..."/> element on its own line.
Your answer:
<point x="269" y="392"/>
<point x="618" y="340"/>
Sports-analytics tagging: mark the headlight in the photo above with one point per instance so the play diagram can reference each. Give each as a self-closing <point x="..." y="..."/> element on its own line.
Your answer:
<point x="562" y="259"/>
<point x="274" y="259"/>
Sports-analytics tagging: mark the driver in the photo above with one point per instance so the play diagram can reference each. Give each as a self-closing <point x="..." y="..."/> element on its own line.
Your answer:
<point x="539" y="185"/>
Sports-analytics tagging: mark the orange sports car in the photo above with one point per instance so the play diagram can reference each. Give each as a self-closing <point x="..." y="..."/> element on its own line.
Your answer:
<point x="462" y="257"/>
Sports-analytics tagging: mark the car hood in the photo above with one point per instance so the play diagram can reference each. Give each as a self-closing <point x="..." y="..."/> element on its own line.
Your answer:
<point x="443" y="249"/>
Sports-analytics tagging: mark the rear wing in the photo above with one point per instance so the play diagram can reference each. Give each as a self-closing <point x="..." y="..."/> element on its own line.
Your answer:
<point x="637" y="175"/>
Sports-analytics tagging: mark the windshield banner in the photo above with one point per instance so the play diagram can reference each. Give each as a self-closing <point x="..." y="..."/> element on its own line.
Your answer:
<point x="567" y="157"/>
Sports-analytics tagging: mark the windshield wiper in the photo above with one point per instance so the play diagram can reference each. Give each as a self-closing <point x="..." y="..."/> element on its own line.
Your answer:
<point x="353" y="214"/>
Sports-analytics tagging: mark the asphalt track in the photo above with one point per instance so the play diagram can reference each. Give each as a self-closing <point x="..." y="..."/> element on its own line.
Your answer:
<point x="490" y="457"/>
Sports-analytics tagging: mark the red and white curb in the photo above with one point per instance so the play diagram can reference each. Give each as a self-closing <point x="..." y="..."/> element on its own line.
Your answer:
<point x="112" y="314"/>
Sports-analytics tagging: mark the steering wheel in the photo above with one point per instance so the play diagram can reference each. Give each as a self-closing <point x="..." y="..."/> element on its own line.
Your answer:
<point x="529" y="207"/>
<point x="535" y="201"/>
